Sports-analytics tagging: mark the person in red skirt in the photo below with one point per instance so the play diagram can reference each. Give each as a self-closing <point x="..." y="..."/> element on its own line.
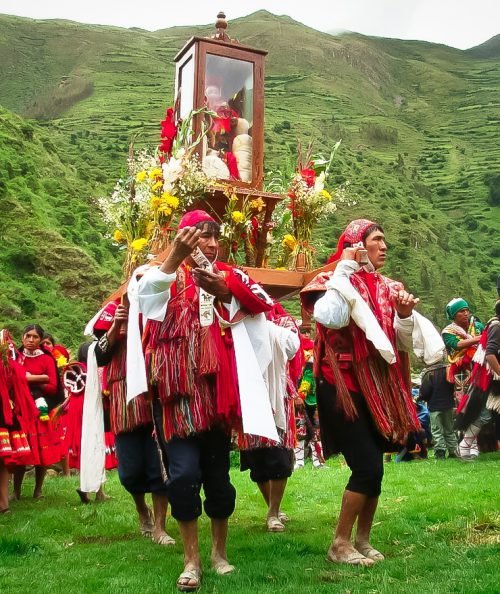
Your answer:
<point x="18" y="416"/>
<point x="41" y="374"/>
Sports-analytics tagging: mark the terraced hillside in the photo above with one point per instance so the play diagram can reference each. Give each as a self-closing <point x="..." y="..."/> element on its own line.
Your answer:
<point x="55" y="265"/>
<point x="419" y="124"/>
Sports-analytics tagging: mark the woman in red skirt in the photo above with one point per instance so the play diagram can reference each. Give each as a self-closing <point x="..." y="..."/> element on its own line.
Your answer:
<point x="41" y="375"/>
<point x="18" y="418"/>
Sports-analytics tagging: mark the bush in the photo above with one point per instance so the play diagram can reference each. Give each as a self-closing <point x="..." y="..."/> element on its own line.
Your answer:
<point x="471" y="224"/>
<point x="379" y="134"/>
<point x="492" y="180"/>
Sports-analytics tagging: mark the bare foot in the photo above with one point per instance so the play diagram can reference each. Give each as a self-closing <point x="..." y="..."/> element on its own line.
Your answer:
<point x="14" y="497"/>
<point x="101" y="496"/>
<point x="37" y="495"/>
<point x="344" y="552"/>
<point x="146" y="522"/>
<point x="84" y="497"/>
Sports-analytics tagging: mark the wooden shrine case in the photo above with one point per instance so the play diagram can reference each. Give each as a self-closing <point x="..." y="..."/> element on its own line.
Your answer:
<point x="227" y="78"/>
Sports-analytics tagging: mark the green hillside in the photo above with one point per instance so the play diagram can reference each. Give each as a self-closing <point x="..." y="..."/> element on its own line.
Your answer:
<point x="55" y="266"/>
<point x="419" y="124"/>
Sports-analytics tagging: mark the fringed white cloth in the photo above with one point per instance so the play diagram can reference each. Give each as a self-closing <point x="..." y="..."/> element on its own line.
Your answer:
<point x="136" y="382"/>
<point x="284" y="346"/>
<point x="252" y="348"/>
<point x="342" y="302"/>
<point x="427" y="342"/>
<point x="93" y="450"/>
<point x="251" y="345"/>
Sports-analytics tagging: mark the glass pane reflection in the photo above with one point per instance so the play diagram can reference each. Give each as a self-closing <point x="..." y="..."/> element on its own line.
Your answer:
<point x="229" y="93"/>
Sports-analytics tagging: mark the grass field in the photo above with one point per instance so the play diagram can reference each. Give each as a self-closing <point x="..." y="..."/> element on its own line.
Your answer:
<point x="438" y="523"/>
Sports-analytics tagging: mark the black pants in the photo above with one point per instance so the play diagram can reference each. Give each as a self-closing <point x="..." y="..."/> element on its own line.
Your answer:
<point x="139" y="462"/>
<point x="267" y="464"/>
<point x="358" y="441"/>
<point x="201" y="460"/>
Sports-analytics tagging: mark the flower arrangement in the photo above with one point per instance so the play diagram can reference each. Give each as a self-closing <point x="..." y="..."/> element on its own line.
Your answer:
<point x="308" y="201"/>
<point x="158" y="188"/>
<point x="241" y="225"/>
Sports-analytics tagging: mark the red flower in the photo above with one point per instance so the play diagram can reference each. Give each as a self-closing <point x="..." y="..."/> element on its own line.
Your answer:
<point x="254" y="231"/>
<point x="168" y="132"/>
<point x="309" y="176"/>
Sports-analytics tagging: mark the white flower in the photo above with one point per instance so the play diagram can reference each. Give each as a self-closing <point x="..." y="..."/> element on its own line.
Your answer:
<point x="319" y="183"/>
<point x="172" y="171"/>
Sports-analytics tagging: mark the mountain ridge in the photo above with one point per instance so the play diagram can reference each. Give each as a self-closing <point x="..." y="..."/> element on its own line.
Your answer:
<point x="418" y="122"/>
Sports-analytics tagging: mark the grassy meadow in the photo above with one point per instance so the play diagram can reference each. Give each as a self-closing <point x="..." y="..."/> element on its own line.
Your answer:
<point x="438" y="524"/>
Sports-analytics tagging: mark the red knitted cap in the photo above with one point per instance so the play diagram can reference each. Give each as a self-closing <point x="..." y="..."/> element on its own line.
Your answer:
<point x="353" y="234"/>
<point x="193" y="217"/>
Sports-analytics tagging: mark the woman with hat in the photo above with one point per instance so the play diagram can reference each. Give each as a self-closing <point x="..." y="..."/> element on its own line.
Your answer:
<point x="461" y="338"/>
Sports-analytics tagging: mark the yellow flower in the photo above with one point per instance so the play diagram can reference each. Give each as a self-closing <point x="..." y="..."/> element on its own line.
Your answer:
<point x="170" y="200"/>
<point x="237" y="216"/>
<point x="165" y="210"/>
<point x="154" y="201"/>
<point x="289" y="242"/>
<point x="61" y="361"/>
<point x="139" y="244"/>
<point x="156" y="186"/>
<point x="325" y="194"/>
<point x="141" y="176"/>
<point x="156" y="172"/>
<point x="118" y="236"/>
<point x="257" y="204"/>
<point x="233" y="197"/>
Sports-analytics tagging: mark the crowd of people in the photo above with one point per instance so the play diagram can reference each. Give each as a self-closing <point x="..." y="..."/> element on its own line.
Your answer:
<point x="196" y="359"/>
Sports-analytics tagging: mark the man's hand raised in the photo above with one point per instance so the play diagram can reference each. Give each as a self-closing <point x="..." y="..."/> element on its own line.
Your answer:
<point x="404" y="303"/>
<point x="184" y="243"/>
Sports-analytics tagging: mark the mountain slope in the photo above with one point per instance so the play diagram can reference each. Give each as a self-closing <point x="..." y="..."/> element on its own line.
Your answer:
<point x="55" y="265"/>
<point x="419" y="124"/>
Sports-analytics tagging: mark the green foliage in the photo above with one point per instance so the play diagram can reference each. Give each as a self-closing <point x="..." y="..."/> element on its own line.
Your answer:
<point x="417" y="122"/>
<point x="44" y="278"/>
<point x="493" y="182"/>
<point x="378" y="134"/>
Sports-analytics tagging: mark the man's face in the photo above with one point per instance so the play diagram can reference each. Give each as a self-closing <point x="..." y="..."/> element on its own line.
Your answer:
<point x="462" y="317"/>
<point x="209" y="243"/>
<point x="376" y="248"/>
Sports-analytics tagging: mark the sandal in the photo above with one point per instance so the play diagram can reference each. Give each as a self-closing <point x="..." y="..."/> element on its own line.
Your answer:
<point x="190" y="575"/>
<point x="223" y="568"/>
<point x="274" y="525"/>
<point x="369" y="552"/>
<point x="352" y="558"/>
<point x="283" y="518"/>
<point x="163" y="539"/>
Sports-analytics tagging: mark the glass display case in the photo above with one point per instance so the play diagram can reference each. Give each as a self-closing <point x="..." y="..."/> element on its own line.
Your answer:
<point x="227" y="78"/>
